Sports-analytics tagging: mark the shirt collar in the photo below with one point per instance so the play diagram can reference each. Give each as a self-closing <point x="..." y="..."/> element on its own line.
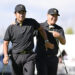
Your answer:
<point x="17" y="23"/>
<point x="47" y="25"/>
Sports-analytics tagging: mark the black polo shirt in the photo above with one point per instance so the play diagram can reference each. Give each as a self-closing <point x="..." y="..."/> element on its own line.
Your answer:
<point x="40" y="49"/>
<point x="22" y="36"/>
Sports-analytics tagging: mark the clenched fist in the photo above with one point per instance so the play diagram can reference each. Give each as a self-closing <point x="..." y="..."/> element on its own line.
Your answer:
<point x="5" y="60"/>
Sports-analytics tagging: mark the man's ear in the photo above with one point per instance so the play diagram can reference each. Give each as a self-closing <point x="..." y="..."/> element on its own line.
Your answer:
<point x="47" y="16"/>
<point x="15" y="13"/>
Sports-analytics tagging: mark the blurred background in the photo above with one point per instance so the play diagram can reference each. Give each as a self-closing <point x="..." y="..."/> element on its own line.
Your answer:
<point x="37" y="9"/>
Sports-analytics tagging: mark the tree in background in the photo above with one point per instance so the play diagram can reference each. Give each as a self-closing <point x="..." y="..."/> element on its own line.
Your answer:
<point x="69" y="31"/>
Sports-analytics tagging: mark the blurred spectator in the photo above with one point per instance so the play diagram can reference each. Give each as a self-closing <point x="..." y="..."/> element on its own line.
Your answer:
<point x="62" y="56"/>
<point x="1" y="58"/>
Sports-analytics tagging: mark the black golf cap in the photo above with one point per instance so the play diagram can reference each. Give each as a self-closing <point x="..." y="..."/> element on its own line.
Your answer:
<point x="20" y="7"/>
<point x="53" y="11"/>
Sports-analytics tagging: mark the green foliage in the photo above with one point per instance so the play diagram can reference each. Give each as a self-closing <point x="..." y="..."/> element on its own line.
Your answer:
<point x="69" y="31"/>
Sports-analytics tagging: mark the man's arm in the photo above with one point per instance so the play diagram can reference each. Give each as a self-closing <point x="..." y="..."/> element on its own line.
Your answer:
<point x="5" y="50"/>
<point x="43" y="33"/>
<point x="62" y="40"/>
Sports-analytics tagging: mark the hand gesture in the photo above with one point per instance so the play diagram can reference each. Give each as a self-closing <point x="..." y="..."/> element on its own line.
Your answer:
<point x="55" y="34"/>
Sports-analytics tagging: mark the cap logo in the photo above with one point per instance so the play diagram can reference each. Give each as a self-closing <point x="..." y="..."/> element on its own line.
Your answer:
<point x="20" y="6"/>
<point x="55" y="11"/>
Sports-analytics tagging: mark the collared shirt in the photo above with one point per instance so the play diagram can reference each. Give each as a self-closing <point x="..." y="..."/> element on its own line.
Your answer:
<point x="40" y="49"/>
<point x="22" y="36"/>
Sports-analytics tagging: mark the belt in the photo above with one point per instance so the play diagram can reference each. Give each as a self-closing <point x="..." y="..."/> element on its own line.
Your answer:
<point x="26" y="52"/>
<point x="50" y="55"/>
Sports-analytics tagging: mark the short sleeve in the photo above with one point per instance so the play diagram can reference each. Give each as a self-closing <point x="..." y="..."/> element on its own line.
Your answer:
<point x="36" y="24"/>
<point x="7" y="36"/>
<point x="61" y="31"/>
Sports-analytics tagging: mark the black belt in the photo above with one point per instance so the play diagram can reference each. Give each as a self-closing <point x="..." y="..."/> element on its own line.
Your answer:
<point x="26" y="52"/>
<point x="50" y="55"/>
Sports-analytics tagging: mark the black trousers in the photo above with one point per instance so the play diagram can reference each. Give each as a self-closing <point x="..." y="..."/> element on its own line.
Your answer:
<point x="47" y="65"/>
<point x="23" y="64"/>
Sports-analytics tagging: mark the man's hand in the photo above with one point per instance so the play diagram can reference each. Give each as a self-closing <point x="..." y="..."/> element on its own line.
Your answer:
<point x="49" y="45"/>
<point x="5" y="60"/>
<point x="55" y="34"/>
<point x="58" y="36"/>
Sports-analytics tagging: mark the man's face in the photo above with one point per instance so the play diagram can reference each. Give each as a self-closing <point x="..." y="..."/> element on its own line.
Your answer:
<point x="52" y="18"/>
<point x="20" y="16"/>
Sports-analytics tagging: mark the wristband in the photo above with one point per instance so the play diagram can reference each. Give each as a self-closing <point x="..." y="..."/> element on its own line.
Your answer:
<point x="46" y="41"/>
<point x="6" y="55"/>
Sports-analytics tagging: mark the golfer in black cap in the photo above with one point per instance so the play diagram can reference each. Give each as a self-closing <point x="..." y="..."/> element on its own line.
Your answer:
<point x="46" y="59"/>
<point x="21" y="35"/>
